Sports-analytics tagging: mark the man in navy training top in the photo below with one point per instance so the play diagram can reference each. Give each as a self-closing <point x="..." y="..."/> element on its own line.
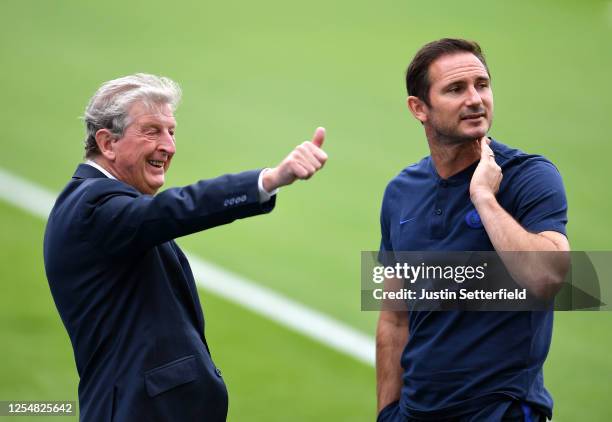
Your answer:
<point x="467" y="366"/>
<point x="122" y="286"/>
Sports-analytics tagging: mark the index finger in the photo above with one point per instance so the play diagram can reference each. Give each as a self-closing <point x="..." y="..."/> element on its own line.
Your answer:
<point x="485" y="149"/>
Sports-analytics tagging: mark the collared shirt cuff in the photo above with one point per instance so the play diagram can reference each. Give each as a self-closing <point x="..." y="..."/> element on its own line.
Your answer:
<point x="264" y="195"/>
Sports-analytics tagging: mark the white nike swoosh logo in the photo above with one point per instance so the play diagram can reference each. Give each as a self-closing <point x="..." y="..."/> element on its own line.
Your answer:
<point x="407" y="221"/>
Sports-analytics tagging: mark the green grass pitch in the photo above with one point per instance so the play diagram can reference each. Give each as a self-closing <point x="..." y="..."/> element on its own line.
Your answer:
<point x="258" y="77"/>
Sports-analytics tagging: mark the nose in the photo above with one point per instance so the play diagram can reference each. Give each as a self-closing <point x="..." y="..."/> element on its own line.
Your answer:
<point x="167" y="143"/>
<point x="473" y="97"/>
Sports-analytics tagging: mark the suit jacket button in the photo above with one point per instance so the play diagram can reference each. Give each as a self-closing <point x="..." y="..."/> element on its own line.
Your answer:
<point x="218" y="372"/>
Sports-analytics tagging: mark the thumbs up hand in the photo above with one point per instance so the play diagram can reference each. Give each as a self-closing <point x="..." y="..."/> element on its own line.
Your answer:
<point x="304" y="161"/>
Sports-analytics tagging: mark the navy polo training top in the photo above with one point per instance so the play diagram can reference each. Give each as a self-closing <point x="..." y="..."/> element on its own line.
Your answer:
<point x="457" y="362"/>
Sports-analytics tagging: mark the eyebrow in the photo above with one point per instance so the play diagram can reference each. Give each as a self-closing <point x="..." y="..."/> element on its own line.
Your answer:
<point x="156" y="124"/>
<point x="463" y="82"/>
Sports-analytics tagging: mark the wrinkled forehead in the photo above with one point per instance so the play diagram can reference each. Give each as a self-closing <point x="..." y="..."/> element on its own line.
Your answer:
<point x="455" y="67"/>
<point x="141" y="112"/>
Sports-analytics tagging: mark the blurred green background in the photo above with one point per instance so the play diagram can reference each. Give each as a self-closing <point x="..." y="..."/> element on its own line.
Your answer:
<point x="258" y="77"/>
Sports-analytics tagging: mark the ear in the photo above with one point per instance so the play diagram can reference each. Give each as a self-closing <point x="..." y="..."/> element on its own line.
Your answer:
<point x="105" y="140"/>
<point x="418" y="108"/>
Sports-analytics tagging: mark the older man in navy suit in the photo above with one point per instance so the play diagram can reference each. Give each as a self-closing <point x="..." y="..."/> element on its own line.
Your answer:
<point x="122" y="286"/>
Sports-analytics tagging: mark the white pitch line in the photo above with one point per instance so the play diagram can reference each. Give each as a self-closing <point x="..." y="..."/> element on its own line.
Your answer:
<point x="26" y="195"/>
<point x="38" y="201"/>
<point x="285" y="311"/>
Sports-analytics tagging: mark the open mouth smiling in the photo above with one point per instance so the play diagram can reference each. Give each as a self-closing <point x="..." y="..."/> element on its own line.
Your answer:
<point x="156" y="163"/>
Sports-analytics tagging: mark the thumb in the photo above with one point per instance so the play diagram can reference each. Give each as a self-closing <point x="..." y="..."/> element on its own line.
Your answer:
<point x="319" y="137"/>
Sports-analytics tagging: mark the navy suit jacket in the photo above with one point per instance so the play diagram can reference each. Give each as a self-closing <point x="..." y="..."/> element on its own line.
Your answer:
<point x="127" y="296"/>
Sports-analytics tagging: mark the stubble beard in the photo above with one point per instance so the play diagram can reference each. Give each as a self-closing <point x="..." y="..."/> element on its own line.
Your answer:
<point x="446" y="135"/>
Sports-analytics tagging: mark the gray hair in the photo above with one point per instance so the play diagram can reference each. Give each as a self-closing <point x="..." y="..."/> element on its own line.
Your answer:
<point x="109" y="106"/>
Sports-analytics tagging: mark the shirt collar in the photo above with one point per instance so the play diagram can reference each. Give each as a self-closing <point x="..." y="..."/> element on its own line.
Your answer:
<point x="102" y="169"/>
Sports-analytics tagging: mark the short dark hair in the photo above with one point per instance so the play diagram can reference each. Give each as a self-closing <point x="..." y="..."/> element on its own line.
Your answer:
<point x="417" y="74"/>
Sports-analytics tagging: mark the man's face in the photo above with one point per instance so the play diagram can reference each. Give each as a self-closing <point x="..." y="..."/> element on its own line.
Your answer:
<point x="460" y="97"/>
<point x="143" y="154"/>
